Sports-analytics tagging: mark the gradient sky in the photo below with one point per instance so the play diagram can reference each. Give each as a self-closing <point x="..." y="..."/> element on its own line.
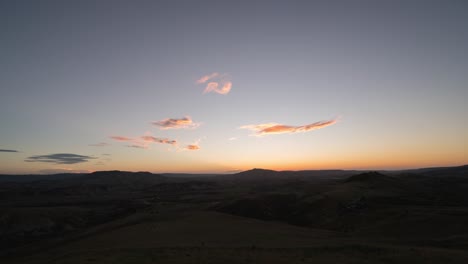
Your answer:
<point x="220" y="86"/>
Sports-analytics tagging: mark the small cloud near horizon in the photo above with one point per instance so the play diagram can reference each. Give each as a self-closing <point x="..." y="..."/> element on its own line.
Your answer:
<point x="192" y="147"/>
<point x="219" y="84"/>
<point x="9" y="150"/>
<point x="176" y="123"/>
<point x="100" y="144"/>
<point x="120" y="138"/>
<point x="159" y="140"/>
<point x="275" y="128"/>
<point x="60" y="158"/>
<point x="137" y="146"/>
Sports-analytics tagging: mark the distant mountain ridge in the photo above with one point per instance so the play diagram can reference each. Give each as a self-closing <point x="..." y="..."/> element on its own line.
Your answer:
<point x="253" y="174"/>
<point x="98" y="177"/>
<point x="370" y="177"/>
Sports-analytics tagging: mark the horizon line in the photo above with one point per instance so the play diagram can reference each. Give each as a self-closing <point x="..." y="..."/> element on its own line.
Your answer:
<point x="234" y="171"/>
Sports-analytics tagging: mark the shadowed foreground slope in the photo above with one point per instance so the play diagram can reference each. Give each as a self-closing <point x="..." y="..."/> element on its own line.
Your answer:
<point x="256" y="216"/>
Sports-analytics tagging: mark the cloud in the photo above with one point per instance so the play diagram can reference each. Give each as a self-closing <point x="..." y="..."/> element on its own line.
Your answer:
<point x="100" y="144"/>
<point x="9" y="150"/>
<point x="274" y="128"/>
<point x="60" y="158"/>
<point x="144" y="141"/>
<point x="217" y="81"/>
<point x="232" y="138"/>
<point x="159" y="140"/>
<point x="134" y="142"/>
<point x="120" y="138"/>
<point x="176" y="123"/>
<point x="138" y="146"/>
<point x="213" y="87"/>
<point x="192" y="147"/>
<point x="205" y="78"/>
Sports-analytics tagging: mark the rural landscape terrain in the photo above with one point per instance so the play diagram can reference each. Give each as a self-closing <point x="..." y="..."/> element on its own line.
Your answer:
<point x="255" y="216"/>
<point x="203" y="132"/>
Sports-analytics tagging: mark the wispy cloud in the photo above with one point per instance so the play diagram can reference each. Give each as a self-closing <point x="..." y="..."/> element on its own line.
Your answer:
<point x="143" y="142"/>
<point x="60" y="158"/>
<point x="100" y="144"/>
<point x="140" y="146"/>
<point x="275" y="128"/>
<point x="192" y="147"/>
<point x="159" y="140"/>
<point x="213" y="87"/>
<point x="176" y="123"/>
<point x="120" y="138"/>
<point x="208" y="77"/>
<point x="9" y="150"/>
<point x="133" y="142"/>
<point x="218" y="83"/>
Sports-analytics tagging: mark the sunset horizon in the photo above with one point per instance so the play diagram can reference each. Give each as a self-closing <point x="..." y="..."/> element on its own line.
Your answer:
<point x="118" y="86"/>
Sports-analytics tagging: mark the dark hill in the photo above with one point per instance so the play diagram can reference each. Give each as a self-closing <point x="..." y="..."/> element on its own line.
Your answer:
<point x="118" y="216"/>
<point x="124" y="179"/>
<point x="254" y="173"/>
<point x="460" y="171"/>
<point x="373" y="178"/>
<point x="366" y="177"/>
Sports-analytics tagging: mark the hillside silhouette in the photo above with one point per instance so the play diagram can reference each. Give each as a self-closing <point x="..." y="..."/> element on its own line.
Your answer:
<point x="263" y="215"/>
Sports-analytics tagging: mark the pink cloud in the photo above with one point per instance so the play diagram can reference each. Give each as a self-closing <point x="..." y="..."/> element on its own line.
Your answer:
<point x="192" y="147"/>
<point x="176" y="123"/>
<point x="217" y="80"/>
<point x="159" y="140"/>
<point x="274" y="128"/>
<point x="205" y="78"/>
<point x="143" y="142"/>
<point x="134" y="142"/>
<point x="213" y="87"/>
<point x="120" y="138"/>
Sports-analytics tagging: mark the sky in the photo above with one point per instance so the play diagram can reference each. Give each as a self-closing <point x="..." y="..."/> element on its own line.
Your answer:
<point x="225" y="86"/>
